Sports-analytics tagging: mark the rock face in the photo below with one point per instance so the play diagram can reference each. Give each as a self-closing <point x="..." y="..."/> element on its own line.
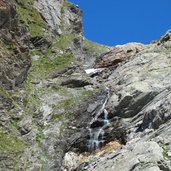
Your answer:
<point x="140" y="98"/>
<point x="7" y="13"/>
<point x="51" y="12"/>
<point x="140" y="91"/>
<point x="141" y="156"/>
<point x="3" y="12"/>
<point x="166" y="38"/>
<point x="52" y="98"/>
<point x="118" y="54"/>
<point x="15" y="60"/>
<point x="43" y="87"/>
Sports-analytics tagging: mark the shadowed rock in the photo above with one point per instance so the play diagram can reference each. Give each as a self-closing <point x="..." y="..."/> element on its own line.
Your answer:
<point x="97" y="123"/>
<point x="74" y="83"/>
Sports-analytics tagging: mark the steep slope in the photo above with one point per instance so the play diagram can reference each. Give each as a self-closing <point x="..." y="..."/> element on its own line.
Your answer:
<point x="59" y="113"/>
<point x="42" y="82"/>
<point x="140" y="98"/>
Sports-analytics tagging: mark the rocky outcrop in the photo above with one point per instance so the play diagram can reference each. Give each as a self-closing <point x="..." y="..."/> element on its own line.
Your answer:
<point x="15" y="60"/>
<point x="13" y="72"/>
<point x="51" y="12"/>
<point x="72" y="20"/>
<point x="140" y="91"/>
<point x="118" y="54"/>
<point x="4" y="12"/>
<point x="141" y="156"/>
<point x="166" y="38"/>
<point x="7" y="13"/>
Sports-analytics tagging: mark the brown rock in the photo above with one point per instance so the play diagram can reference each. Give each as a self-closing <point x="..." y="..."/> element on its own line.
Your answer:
<point x="3" y="12"/>
<point x="118" y="54"/>
<point x="6" y="13"/>
<point x="14" y="57"/>
<point x="2" y="4"/>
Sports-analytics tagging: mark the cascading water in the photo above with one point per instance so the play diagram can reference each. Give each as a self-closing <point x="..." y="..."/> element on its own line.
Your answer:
<point x="96" y="134"/>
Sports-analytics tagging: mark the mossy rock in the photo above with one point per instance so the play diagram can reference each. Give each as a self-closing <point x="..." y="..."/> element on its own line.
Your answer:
<point x="42" y="68"/>
<point x="92" y="47"/>
<point x="12" y="147"/>
<point x="31" y="17"/>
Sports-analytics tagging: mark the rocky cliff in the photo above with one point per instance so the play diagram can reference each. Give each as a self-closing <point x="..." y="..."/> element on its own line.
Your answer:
<point x="70" y="104"/>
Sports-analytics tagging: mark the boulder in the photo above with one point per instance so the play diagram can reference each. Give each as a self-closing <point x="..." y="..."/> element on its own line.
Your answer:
<point x="71" y="160"/>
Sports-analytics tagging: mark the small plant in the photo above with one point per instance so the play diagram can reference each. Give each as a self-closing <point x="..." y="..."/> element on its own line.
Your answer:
<point x="92" y="47"/>
<point x="12" y="146"/>
<point x="65" y="41"/>
<point x="165" y="152"/>
<point x="31" y="17"/>
<point x="39" y="135"/>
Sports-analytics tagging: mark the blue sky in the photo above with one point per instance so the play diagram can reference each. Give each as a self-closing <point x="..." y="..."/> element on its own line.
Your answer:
<point x="113" y="22"/>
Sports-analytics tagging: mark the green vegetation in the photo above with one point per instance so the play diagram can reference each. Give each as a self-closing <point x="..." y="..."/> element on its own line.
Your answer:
<point x="92" y="47"/>
<point x="6" y="93"/>
<point x="74" y="97"/>
<point x="165" y="152"/>
<point x="39" y="135"/>
<point x="7" y="47"/>
<point x="12" y="146"/>
<point x="9" y="96"/>
<point x="31" y="101"/>
<point x="31" y="17"/>
<point x="4" y="48"/>
<point x="58" y="117"/>
<point x="67" y="4"/>
<point x="65" y="41"/>
<point x="45" y="66"/>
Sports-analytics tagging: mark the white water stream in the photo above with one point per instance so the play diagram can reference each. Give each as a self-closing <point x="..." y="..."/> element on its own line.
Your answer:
<point x="96" y="135"/>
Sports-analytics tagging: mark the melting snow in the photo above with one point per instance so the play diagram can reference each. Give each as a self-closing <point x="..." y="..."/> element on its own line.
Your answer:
<point x="93" y="71"/>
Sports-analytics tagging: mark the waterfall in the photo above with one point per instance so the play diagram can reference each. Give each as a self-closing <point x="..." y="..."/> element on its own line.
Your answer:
<point x="96" y="133"/>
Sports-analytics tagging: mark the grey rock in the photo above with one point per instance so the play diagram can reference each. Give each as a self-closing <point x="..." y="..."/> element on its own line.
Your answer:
<point x="157" y="112"/>
<point x="7" y="13"/>
<point x="51" y="11"/>
<point x="71" y="160"/>
<point x="165" y="38"/>
<point x="35" y="57"/>
<point x="73" y="21"/>
<point x="140" y="93"/>
<point x="137" y="82"/>
<point x="25" y="125"/>
<point x="142" y="155"/>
